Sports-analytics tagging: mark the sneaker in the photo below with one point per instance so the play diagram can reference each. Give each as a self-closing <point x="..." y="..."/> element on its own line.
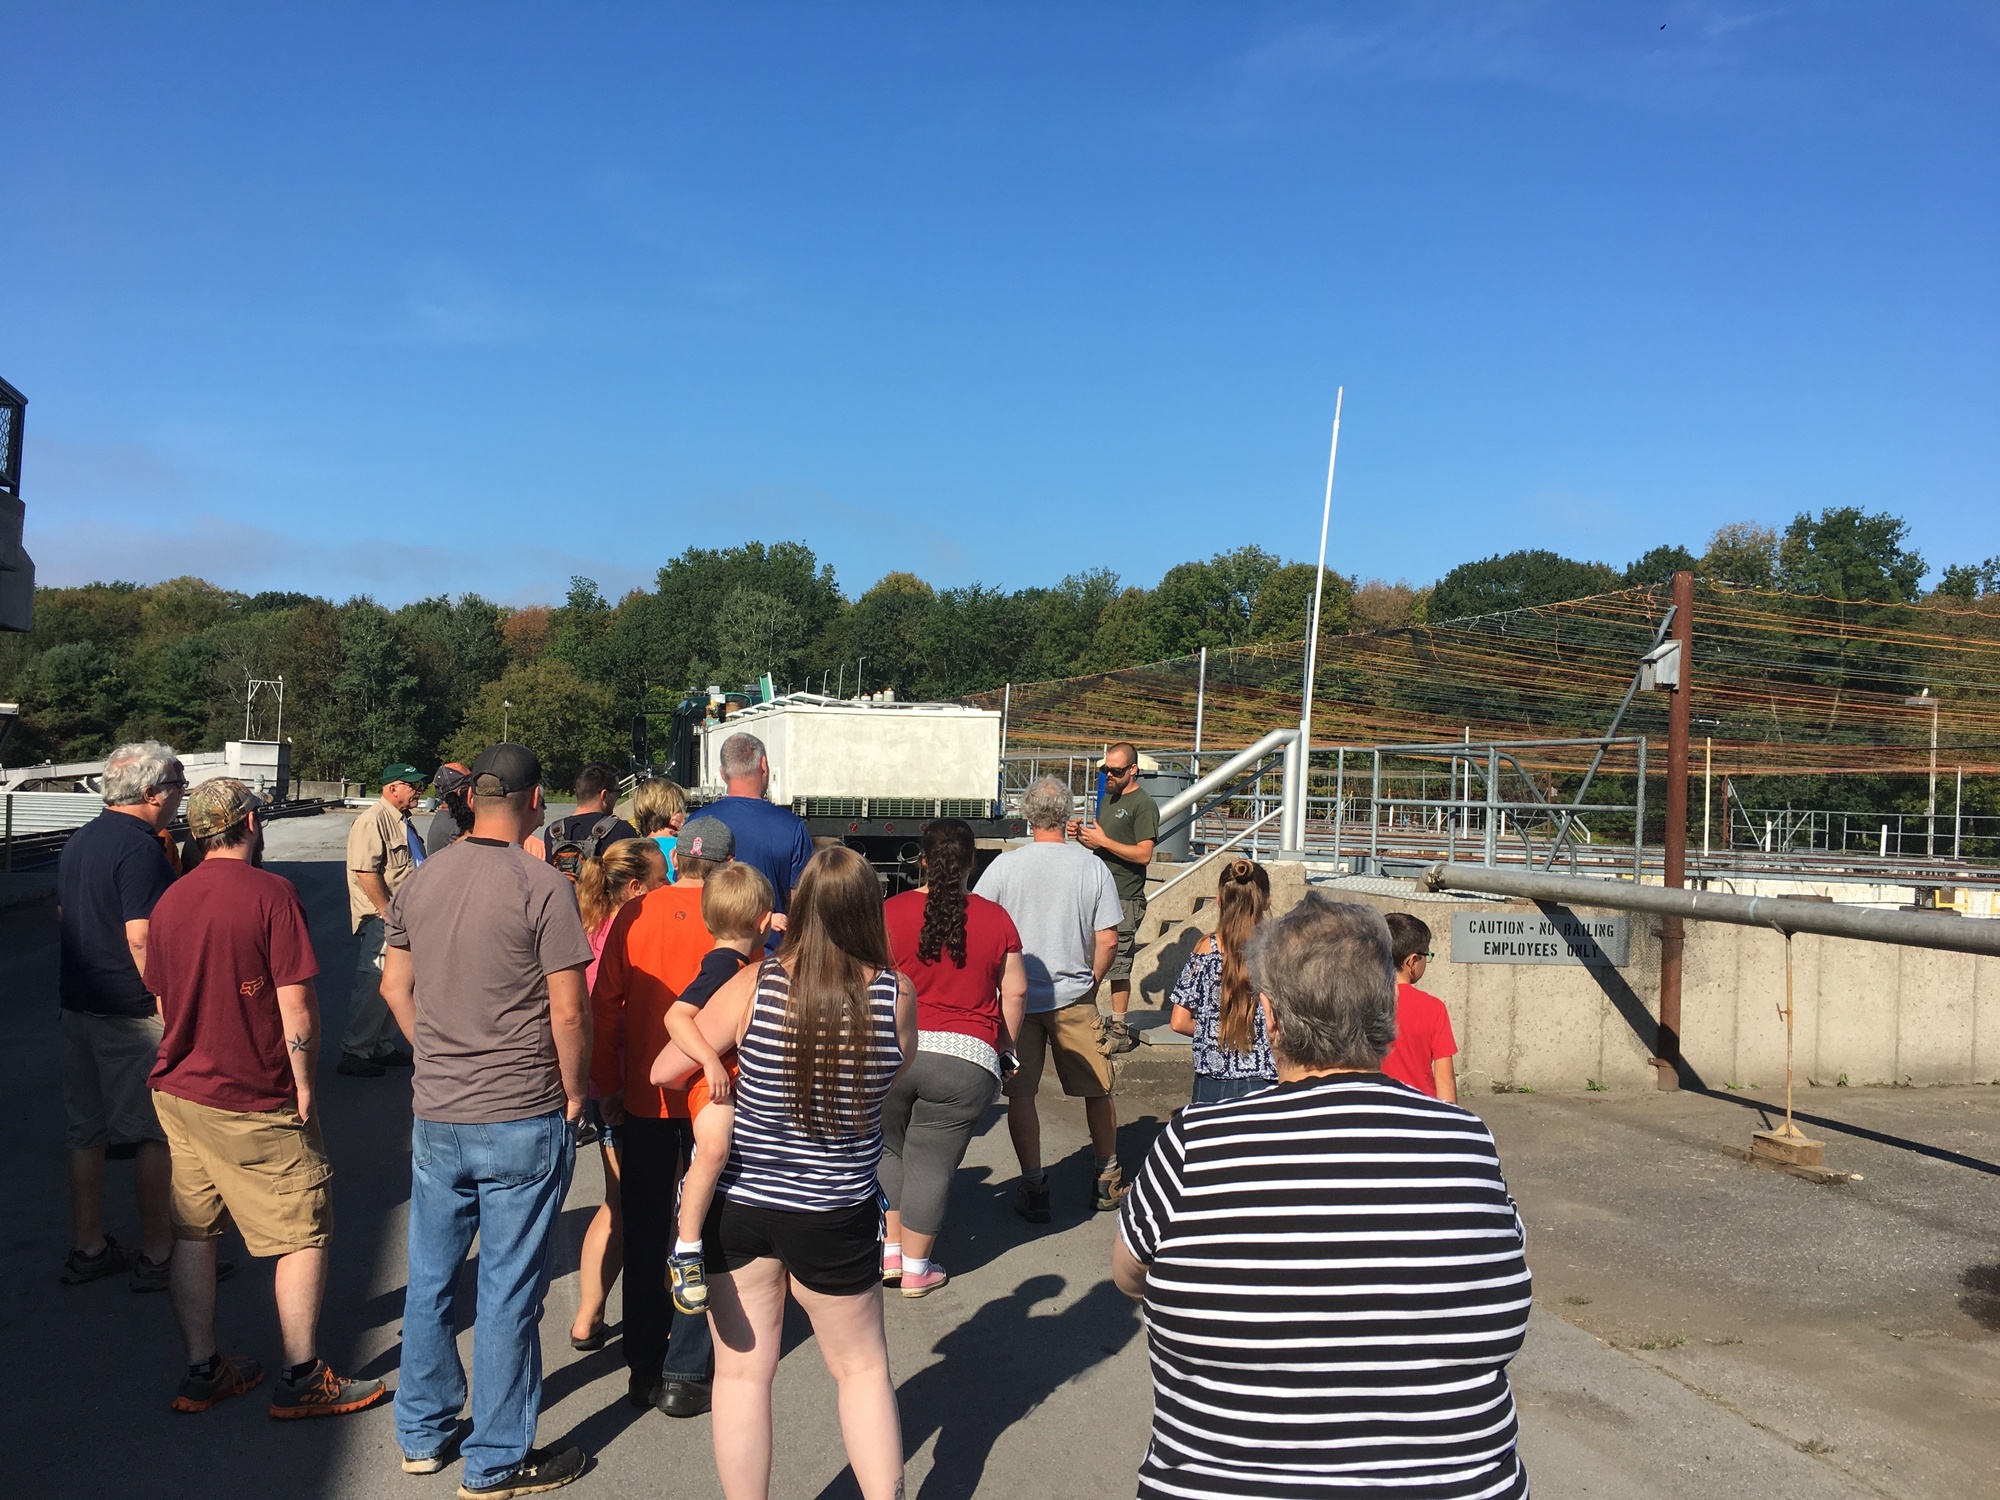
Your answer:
<point x="642" y="1392"/>
<point x="232" y="1377"/>
<point x="395" y="1057"/>
<point x="892" y="1264"/>
<point x="922" y="1283"/>
<point x="1111" y="1188"/>
<point x="1118" y="1038"/>
<point x="587" y="1134"/>
<point x="351" y="1066"/>
<point x="325" y="1394"/>
<point x="1031" y="1201"/>
<point x="149" y="1275"/>
<point x="690" y="1286"/>
<point x="79" y="1268"/>
<point x="541" y="1469"/>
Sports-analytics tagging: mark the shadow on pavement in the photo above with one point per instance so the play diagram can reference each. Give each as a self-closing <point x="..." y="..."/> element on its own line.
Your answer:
<point x="1881" y="1138"/>
<point x="994" y="1369"/>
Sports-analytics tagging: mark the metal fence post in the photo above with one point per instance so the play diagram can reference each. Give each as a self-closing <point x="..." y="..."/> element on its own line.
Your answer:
<point x="1374" y="820"/>
<point x="1339" y="801"/>
<point x="1639" y="819"/>
<point x="1492" y="804"/>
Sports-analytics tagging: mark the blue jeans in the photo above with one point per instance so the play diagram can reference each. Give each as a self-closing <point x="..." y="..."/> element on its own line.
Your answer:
<point x="1209" y="1090"/>
<point x="506" y="1183"/>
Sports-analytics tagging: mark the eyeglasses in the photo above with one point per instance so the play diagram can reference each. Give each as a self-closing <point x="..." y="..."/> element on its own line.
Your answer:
<point x="1120" y="770"/>
<point x="170" y="786"/>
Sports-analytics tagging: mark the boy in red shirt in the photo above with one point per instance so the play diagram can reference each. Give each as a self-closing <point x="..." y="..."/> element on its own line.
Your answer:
<point x="1424" y="1043"/>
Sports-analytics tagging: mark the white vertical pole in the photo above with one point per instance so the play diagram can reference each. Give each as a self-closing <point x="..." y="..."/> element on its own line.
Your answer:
<point x="1006" y="707"/>
<point x="1298" y="838"/>
<point x="1200" y="703"/>
<point x="1707" y="789"/>
<point x="1958" y="813"/>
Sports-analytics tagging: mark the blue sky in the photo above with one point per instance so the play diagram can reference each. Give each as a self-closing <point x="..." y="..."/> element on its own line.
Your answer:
<point x="410" y="300"/>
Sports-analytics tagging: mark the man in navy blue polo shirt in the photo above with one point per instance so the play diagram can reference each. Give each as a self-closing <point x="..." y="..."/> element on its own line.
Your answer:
<point x="773" y="839"/>
<point x="111" y="872"/>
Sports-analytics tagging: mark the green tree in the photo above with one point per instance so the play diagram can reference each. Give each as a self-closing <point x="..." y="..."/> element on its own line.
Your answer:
<point x="1284" y="604"/>
<point x="375" y="691"/>
<point x="564" y="719"/>
<point x="1848" y="554"/>
<point x="1517" y="580"/>
<point x="455" y="650"/>
<point x="1742" y="553"/>
<point x="755" y="633"/>
<point x="78" y="699"/>
<point x="1659" y="565"/>
<point x="1968" y="581"/>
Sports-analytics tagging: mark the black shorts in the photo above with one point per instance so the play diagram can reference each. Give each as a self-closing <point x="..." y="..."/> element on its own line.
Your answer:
<point x="837" y="1253"/>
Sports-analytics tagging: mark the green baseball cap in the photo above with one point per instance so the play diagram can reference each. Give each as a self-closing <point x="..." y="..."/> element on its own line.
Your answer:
<point x="402" y="770"/>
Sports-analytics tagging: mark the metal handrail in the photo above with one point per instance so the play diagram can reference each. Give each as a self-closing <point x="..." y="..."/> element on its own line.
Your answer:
<point x="1231" y="842"/>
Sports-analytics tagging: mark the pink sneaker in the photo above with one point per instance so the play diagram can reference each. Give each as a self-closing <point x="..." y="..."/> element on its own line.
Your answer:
<point x="920" y="1283"/>
<point x="892" y="1264"/>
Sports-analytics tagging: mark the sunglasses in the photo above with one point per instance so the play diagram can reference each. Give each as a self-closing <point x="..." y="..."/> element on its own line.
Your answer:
<point x="1120" y="770"/>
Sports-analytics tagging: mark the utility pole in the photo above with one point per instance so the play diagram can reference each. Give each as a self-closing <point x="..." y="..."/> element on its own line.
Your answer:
<point x="1673" y="935"/>
<point x="1925" y="700"/>
<point x="1295" y="836"/>
<point x="1200" y="702"/>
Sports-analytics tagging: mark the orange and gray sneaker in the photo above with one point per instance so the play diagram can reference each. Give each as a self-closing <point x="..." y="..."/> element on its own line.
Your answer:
<point x="230" y="1376"/>
<point x="321" y="1393"/>
<point x="1111" y="1188"/>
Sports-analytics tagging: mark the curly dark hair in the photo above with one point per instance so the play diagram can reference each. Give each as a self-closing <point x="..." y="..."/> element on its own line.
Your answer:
<point x="948" y="853"/>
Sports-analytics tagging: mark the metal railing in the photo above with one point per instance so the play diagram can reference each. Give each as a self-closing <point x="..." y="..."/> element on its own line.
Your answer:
<point x="1882" y="835"/>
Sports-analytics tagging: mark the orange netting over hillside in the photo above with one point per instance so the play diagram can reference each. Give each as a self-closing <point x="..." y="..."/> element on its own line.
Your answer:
<point x="1783" y="684"/>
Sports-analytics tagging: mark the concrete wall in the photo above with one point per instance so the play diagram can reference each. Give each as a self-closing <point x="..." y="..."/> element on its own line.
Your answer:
<point x="1872" y="1011"/>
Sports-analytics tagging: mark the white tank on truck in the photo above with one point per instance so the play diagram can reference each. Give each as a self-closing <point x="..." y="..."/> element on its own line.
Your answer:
<point x="872" y="771"/>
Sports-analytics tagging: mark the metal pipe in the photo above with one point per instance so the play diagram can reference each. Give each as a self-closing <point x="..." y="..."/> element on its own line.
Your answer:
<point x="1291" y="797"/>
<point x="1227" y="772"/>
<point x="1912" y="929"/>
<point x="1200" y="703"/>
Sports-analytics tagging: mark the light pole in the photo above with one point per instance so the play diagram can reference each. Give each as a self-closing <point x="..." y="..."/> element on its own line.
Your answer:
<point x="1295" y="836"/>
<point x="857" y="675"/>
<point x="506" y="709"/>
<point x="1925" y="700"/>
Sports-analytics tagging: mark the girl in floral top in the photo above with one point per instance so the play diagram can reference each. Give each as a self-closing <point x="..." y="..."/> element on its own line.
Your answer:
<point x="1214" y="1001"/>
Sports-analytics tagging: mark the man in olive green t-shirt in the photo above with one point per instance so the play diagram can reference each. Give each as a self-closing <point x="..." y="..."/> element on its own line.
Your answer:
<point x="1127" y="825"/>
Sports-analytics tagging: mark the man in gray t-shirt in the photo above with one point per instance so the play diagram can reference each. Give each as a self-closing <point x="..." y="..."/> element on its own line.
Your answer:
<point x="483" y="970"/>
<point x="1065" y="904"/>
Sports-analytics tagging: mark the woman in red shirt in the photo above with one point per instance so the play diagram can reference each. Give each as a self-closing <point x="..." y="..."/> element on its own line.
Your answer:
<point x="963" y="956"/>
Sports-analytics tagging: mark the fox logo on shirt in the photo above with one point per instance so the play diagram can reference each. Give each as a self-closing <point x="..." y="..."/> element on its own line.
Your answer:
<point x="250" y="987"/>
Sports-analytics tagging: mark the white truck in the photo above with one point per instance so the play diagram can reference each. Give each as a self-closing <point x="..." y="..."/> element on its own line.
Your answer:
<point x="872" y="771"/>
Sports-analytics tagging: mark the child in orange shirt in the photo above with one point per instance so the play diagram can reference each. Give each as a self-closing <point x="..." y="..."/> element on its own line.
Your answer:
<point x="1424" y="1043"/>
<point x="736" y="906"/>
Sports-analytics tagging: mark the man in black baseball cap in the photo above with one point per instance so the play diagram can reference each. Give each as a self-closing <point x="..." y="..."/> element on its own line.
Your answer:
<point x="484" y="969"/>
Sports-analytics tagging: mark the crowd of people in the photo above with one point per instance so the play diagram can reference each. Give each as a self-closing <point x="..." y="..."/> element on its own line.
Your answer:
<point x="782" y="1073"/>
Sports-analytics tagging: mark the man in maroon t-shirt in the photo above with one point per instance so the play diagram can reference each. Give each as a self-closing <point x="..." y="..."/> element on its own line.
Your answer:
<point x="231" y="960"/>
<point x="1424" y="1043"/>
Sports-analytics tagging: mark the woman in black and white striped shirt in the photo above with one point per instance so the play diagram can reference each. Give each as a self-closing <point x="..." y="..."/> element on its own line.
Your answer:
<point x="825" y="1026"/>
<point x="1333" y="1272"/>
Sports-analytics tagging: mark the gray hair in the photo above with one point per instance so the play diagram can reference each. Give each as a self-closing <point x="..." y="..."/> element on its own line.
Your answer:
<point x="1047" y="804"/>
<point x="1326" y="968"/>
<point x="133" y="771"/>
<point x="740" y="755"/>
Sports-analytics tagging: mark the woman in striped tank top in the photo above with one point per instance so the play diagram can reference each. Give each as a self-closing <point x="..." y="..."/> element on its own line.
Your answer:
<point x="823" y="1029"/>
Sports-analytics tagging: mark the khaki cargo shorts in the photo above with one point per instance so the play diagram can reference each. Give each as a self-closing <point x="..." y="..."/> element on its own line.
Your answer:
<point x="266" y="1171"/>
<point x="107" y="1062"/>
<point x="1071" y="1033"/>
<point x="1128" y="938"/>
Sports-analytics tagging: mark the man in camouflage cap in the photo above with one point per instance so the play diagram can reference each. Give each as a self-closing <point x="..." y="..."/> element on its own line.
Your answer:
<point x="233" y="966"/>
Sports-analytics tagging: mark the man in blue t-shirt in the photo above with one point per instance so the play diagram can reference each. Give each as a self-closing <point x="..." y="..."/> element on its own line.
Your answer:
<point x="773" y="839"/>
<point x="110" y="873"/>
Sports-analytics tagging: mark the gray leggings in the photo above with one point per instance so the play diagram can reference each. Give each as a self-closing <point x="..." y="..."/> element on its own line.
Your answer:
<point x="927" y="1123"/>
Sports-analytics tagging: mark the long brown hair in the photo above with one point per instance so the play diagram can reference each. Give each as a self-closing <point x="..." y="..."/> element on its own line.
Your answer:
<point x="834" y="944"/>
<point x="948" y="855"/>
<point x="604" y="883"/>
<point x="1242" y="900"/>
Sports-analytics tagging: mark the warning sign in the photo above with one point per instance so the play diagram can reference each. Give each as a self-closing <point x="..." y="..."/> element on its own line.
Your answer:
<point x="1515" y="937"/>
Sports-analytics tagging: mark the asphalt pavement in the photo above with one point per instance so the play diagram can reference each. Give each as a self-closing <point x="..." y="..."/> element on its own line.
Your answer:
<point x="1025" y="1376"/>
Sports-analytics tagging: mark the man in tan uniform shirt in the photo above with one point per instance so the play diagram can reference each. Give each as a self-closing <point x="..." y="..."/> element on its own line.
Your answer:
<point x="383" y="847"/>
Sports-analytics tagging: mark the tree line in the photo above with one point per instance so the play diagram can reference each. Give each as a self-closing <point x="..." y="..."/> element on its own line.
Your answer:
<point x="438" y="678"/>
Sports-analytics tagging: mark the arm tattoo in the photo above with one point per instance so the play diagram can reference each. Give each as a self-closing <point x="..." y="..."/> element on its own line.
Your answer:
<point x="301" y="1042"/>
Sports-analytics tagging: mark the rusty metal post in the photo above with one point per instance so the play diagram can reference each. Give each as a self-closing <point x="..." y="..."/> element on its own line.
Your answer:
<point x="1672" y="932"/>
